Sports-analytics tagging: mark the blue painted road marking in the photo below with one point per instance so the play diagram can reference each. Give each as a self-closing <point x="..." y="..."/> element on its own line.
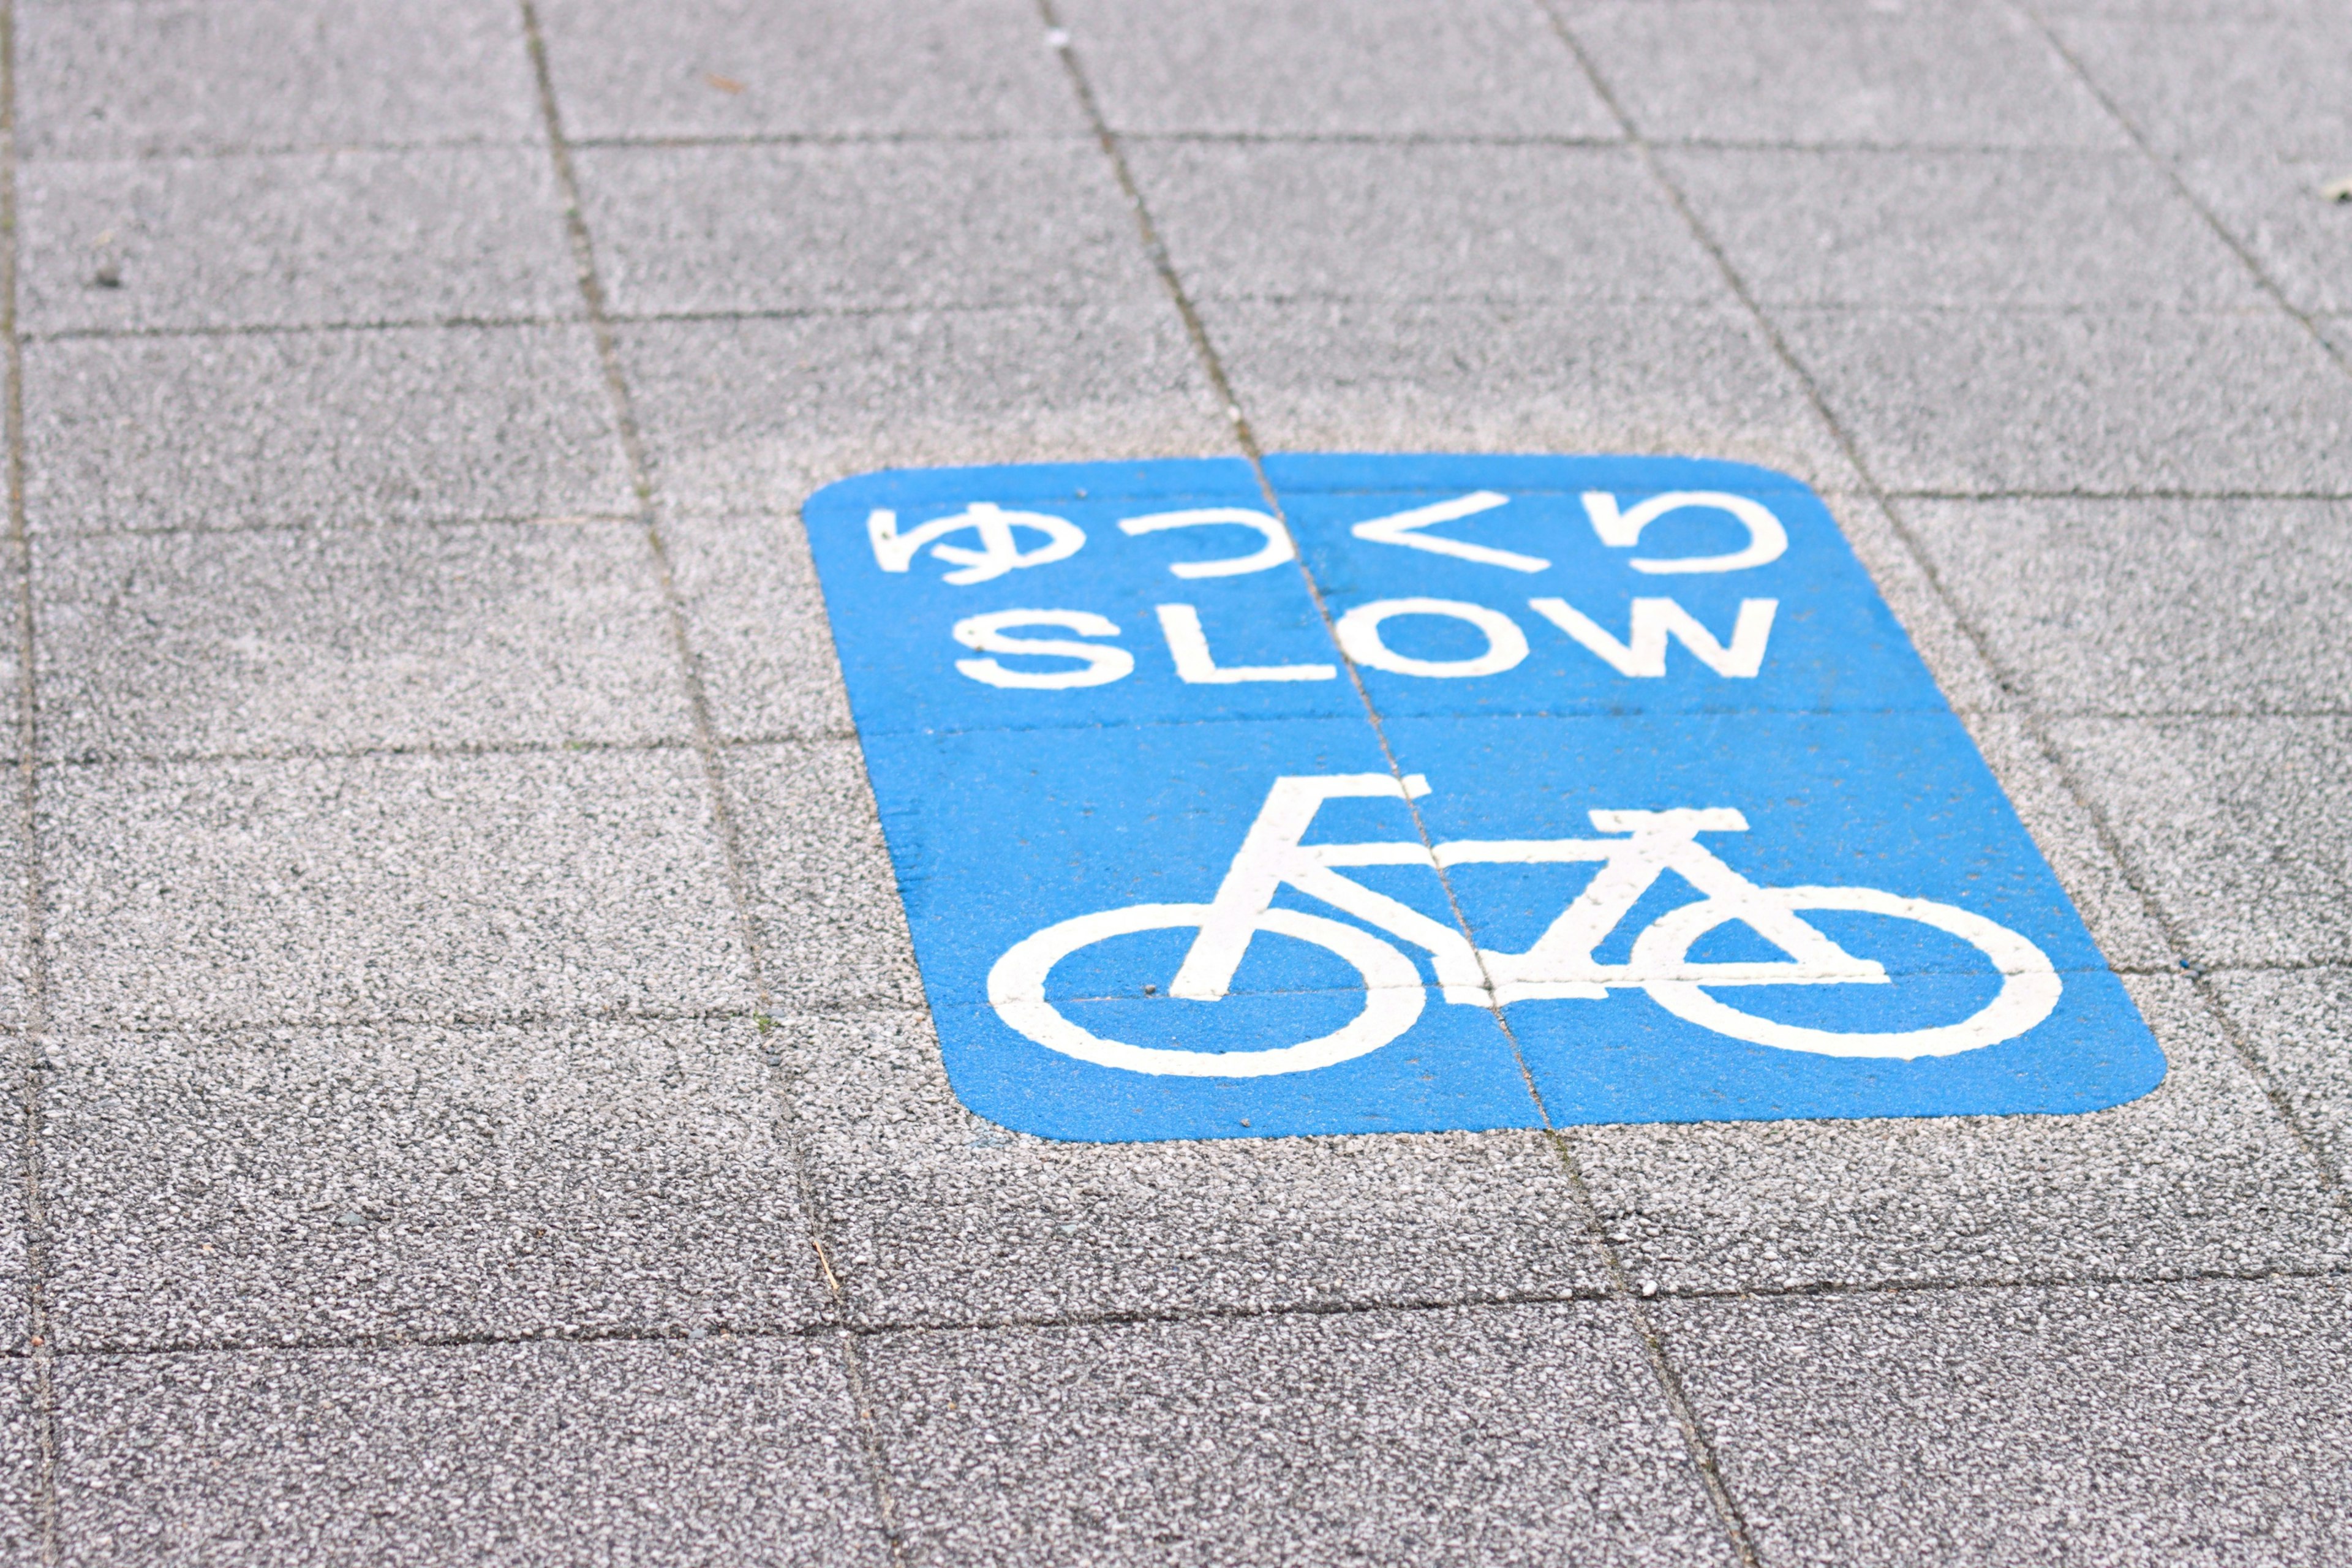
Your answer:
<point x="1440" y="792"/>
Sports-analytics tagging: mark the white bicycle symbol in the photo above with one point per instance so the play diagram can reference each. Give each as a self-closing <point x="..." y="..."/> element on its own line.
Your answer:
<point x="1560" y="963"/>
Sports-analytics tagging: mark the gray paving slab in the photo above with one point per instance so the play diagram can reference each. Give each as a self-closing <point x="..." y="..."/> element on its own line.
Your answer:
<point x="291" y="639"/>
<point x="293" y="239"/>
<point x="1932" y="228"/>
<point x="2193" y="1423"/>
<point x="861" y="226"/>
<point x="2154" y="606"/>
<point x="831" y="932"/>
<point x="2276" y="209"/>
<point x="1942" y="640"/>
<point x="726" y="1451"/>
<point x="2034" y="776"/>
<point x="941" y="1217"/>
<point x="2199" y="1175"/>
<point x="377" y="886"/>
<point x="2298" y="1024"/>
<point x="1971" y="402"/>
<point x="310" y="427"/>
<point x="1318" y="67"/>
<point x="754" y="414"/>
<point x="2264" y="86"/>
<point x="1964" y="74"/>
<point x="1422" y="220"/>
<point x="756" y="623"/>
<point x="1472" y="376"/>
<point x="404" y="1183"/>
<point x="131" y="78"/>
<point x="1509" y="1435"/>
<point x="743" y="69"/>
<point x="2236" y="827"/>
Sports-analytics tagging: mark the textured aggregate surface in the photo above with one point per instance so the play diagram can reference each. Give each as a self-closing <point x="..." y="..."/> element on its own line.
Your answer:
<point x="471" y="1097"/>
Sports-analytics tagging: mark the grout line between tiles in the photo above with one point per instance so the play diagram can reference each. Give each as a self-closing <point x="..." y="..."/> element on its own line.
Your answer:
<point x="94" y="757"/>
<point x="196" y="152"/>
<point x="2170" y="175"/>
<point x="2151" y="493"/>
<point x="1698" y="1447"/>
<point x="910" y="308"/>
<point x="2282" y="1105"/>
<point x="1666" y="182"/>
<point x="2007" y="681"/>
<point x="857" y="1332"/>
<point x="694" y="140"/>
<point x="2033" y="722"/>
<point x="205" y="152"/>
<point x="444" y="523"/>
<point x="730" y="838"/>
<point x="213" y="329"/>
<point x="519" y="1018"/>
<point x="38" y="1332"/>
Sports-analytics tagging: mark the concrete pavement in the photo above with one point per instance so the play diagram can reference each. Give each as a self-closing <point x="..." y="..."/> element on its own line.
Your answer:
<point x="474" y="1099"/>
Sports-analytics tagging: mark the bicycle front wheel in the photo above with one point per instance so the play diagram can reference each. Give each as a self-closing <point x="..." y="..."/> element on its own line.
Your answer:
<point x="1393" y="994"/>
<point x="2028" y="991"/>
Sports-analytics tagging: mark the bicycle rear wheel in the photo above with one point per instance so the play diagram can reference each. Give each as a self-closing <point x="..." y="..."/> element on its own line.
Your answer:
<point x="2028" y="991"/>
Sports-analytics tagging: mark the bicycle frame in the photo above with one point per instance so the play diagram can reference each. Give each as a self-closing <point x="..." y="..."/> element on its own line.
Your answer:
<point x="1560" y="963"/>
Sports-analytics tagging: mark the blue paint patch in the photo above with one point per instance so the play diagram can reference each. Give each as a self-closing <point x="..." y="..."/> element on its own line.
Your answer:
<point x="1439" y="793"/>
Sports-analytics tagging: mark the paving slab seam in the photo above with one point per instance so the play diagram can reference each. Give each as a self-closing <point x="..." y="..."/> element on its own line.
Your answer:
<point x="829" y="313"/>
<point x="2281" y="1102"/>
<point x="828" y="138"/>
<point x="1363" y="139"/>
<point x="302" y="328"/>
<point x="2011" y="1283"/>
<point x="519" y="1018"/>
<point x="1698" y="1447"/>
<point x="444" y="520"/>
<point x="2172" y="175"/>
<point x="869" y="1430"/>
<point x="868" y="1329"/>
<point x="1466" y="297"/>
<point x="470" y="323"/>
<point x="2273" y="1093"/>
<point x="97" y="758"/>
<point x="98" y="1350"/>
<point x="2248" y="711"/>
<point x="2110" y="843"/>
<point x="209" y="152"/>
<point x="1237" y="1313"/>
<point x="1705" y="1454"/>
<point x="1536" y="138"/>
<point x="1301" y="297"/>
<point x="1366" y="1306"/>
<point x="2127" y="311"/>
<point x="591" y="291"/>
<point x="34" y="1212"/>
<point x="1892" y="149"/>
<point x="2149" y="493"/>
